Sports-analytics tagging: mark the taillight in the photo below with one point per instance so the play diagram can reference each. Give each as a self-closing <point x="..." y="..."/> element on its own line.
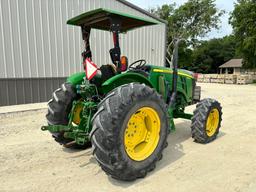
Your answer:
<point x="124" y="63"/>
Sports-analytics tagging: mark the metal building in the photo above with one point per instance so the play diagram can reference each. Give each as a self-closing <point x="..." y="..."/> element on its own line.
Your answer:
<point x="38" y="50"/>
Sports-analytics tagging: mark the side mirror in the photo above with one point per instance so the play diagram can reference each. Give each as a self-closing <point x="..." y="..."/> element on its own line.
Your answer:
<point x="124" y="63"/>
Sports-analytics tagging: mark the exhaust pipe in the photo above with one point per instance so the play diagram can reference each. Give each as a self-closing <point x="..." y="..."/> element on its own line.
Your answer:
<point x="175" y="59"/>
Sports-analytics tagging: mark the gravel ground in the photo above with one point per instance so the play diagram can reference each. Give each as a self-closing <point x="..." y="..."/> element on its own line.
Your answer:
<point x="31" y="161"/>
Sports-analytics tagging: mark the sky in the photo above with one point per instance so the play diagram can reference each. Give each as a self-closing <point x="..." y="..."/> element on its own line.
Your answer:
<point x="227" y="5"/>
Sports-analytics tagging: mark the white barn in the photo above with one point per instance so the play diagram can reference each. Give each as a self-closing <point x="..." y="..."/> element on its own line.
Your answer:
<point x="38" y="50"/>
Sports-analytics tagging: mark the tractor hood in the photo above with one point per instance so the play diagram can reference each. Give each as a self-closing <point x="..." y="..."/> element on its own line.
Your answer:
<point x="100" y="19"/>
<point x="181" y="72"/>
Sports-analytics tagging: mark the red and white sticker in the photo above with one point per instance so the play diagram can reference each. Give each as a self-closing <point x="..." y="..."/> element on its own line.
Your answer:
<point x="91" y="69"/>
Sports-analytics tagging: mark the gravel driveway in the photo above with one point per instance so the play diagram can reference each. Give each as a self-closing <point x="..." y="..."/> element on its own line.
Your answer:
<point x="31" y="161"/>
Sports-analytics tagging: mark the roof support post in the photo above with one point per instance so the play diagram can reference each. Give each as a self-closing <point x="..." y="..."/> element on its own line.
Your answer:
<point x="86" y="31"/>
<point x="115" y="53"/>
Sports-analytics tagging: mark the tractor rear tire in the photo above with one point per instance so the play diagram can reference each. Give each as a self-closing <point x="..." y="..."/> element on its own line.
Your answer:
<point x="206" y="121"/>
<point x="109" y="132"/>
<point x="59" y="108"/>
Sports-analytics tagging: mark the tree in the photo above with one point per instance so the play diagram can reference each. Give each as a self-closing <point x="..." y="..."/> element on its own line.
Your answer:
<point x="209" y="55"/>
<point x="193" y="19"/>
<point x="243" y="20"/>
<point x="185" y="56"/>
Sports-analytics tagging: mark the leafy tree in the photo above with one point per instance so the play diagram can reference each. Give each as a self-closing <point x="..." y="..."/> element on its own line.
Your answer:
<point x="243" y="20"/>
<point x="193" y="19"/>
<point x="185" y="56"/>
<point x="209" y="55"/>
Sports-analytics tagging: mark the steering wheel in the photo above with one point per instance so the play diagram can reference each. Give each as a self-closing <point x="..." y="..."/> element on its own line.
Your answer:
<point x="138" y="64"/>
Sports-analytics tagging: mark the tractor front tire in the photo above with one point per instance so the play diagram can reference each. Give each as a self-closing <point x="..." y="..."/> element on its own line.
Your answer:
<point x="206" y="121"/>
<point x="59" y="108"/>
<point x="130" y="131"/>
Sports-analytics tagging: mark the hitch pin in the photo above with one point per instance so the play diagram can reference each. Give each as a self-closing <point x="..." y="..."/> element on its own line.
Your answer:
<point x="44" y="128"/>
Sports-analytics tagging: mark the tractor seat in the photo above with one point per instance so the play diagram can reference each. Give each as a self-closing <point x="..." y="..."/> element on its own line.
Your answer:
<point x="107" y="71"/>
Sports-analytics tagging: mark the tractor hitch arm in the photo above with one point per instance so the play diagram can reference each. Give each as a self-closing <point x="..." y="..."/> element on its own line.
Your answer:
<point x="55" y="128"/>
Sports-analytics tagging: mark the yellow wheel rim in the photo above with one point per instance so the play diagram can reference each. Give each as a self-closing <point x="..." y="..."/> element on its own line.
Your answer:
<point x="212" y="122"/>
<point x="142" y="134"/>
<point x="76" y="114"/>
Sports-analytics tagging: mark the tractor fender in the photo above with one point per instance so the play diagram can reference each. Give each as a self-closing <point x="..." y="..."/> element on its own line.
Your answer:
<point x="76" y="78"/>
<point x="122" y="79"/>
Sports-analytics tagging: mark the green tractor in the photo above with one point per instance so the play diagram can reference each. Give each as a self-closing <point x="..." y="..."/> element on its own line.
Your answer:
<point x="126" y="111"/>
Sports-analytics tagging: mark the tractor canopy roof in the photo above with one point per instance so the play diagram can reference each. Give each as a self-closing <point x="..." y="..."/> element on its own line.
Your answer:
<point x="101" y="19"/>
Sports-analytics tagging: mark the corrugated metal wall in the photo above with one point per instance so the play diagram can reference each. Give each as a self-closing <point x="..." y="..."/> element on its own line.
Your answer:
<point x="27" y="90"/>
<point x="35" y="41"/>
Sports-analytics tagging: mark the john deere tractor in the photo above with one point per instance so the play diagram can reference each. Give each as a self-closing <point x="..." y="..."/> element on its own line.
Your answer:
<point x="126" y="111"/>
